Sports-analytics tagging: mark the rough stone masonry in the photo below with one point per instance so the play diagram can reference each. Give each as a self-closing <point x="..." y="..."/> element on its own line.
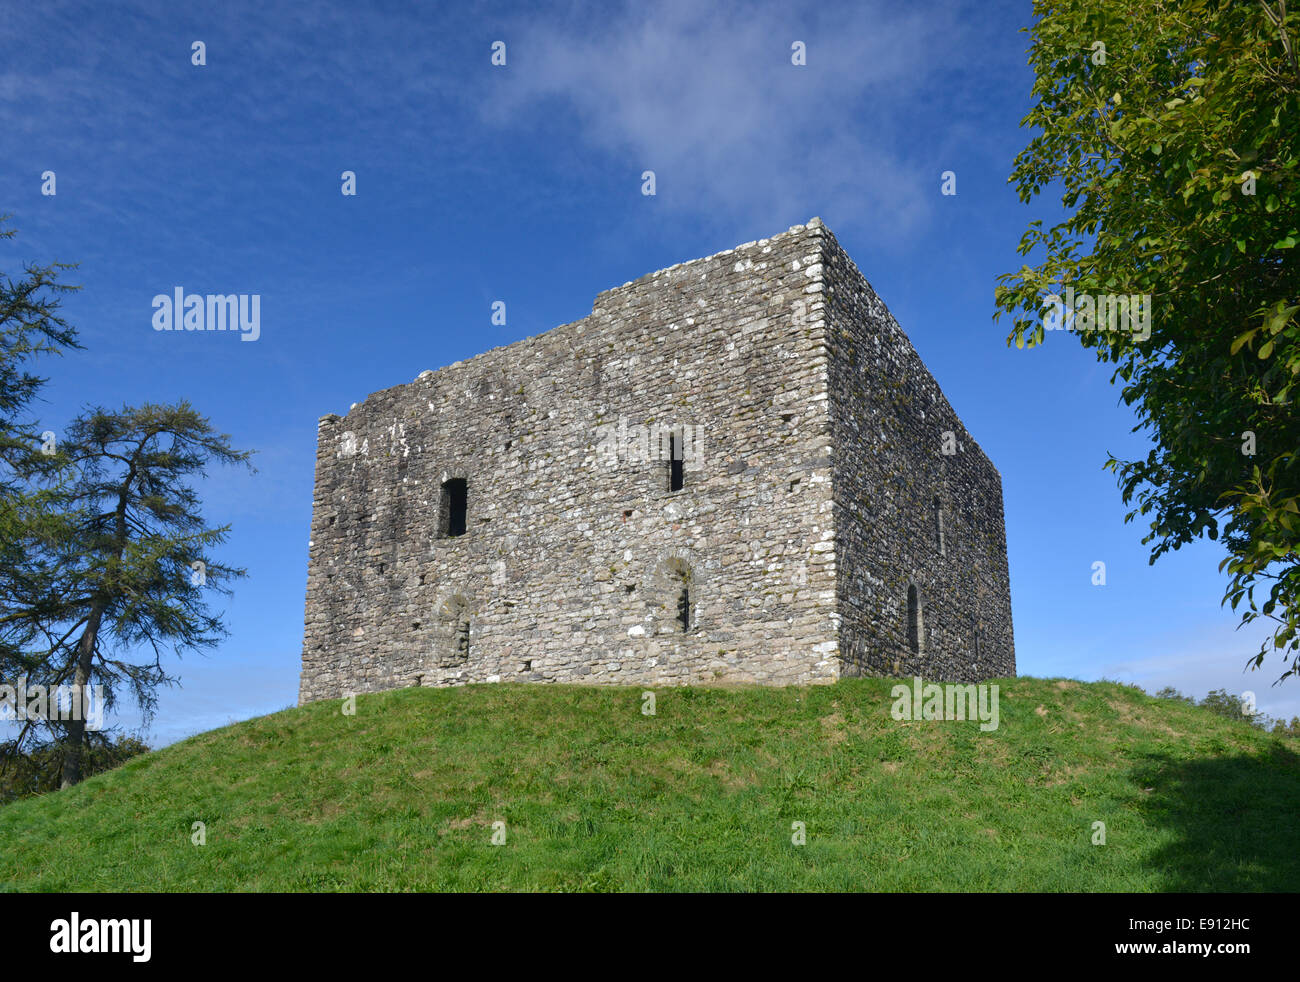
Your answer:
<point x="736" y="469"/>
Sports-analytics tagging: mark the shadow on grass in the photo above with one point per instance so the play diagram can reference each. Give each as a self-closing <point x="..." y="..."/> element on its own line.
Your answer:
<point x="1235" y="820"/>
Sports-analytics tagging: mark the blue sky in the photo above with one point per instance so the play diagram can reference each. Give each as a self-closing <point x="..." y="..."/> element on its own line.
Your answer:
<point x="522" y="183"/>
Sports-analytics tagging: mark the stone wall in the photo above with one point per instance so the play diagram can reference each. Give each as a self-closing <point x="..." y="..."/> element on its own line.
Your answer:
<point x="918" y="506"/>
<point x="811" y="435"/>
<point x="576" y="551"/>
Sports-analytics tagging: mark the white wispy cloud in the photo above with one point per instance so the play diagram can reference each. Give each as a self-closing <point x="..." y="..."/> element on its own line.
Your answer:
<point x="707" y="97"/>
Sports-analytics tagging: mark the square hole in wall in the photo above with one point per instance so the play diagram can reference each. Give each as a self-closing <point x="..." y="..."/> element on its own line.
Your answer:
<point x="528" y="666"/>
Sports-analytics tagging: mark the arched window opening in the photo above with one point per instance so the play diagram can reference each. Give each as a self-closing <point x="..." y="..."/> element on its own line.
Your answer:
<point x="677" y="595"/>
<point x="454" y="635"/>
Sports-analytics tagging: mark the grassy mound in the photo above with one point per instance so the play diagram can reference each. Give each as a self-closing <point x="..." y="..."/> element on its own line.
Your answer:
<point x="703" y="795"/>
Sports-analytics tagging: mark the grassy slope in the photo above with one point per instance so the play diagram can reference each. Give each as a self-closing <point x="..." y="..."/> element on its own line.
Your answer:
<point x="701" y="796"/>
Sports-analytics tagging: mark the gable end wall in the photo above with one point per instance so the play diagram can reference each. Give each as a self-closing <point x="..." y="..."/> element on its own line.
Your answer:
<point x="888" y="420"/>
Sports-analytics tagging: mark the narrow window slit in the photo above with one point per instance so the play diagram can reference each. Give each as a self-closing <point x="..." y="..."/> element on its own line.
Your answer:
<point x="454" y="507"/>
<point x="938" y="525"/>
<point x="676" y="472"/>
<point x="915" y="630"/>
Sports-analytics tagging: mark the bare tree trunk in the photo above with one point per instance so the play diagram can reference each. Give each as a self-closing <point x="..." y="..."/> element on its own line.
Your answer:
<point x="77" y="725"/>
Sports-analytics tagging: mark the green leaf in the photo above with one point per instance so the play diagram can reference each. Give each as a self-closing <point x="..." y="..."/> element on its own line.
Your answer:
<point x="1279" y="318"/>
<point x="1236" y="345"/>
<point x="1138" y="221"/>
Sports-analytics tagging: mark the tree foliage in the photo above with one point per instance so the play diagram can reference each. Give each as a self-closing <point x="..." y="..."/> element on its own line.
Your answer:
<point x="1171" y="130"/>
<point x="30" y="326"/>
<point x="30" y="506"/>
<point x="38" y="769"/>
<point x="140" y="573"/>
<point x="1229" y="705"/>
<point x="33" y="522"/>
<point x="106" y="561"/>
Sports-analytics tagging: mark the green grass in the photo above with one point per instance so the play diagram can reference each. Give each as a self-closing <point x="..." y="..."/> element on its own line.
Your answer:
<point x="702" y="796"/>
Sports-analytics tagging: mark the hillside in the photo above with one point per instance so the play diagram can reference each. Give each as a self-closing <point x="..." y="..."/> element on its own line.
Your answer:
<point x="701" y="796"/>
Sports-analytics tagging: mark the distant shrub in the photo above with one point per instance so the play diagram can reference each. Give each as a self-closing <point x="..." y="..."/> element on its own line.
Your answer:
<point x="40" y="768"/>
<point x="1284" y="729"/>
<point x="1229" y="705"/>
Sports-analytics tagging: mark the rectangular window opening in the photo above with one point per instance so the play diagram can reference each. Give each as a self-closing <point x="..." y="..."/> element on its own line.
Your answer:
<point x="454" y="507"/>
<point x="676" y="470"/>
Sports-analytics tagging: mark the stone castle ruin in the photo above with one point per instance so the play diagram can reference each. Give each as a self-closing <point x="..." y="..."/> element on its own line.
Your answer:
<point x="733" y="470"/>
